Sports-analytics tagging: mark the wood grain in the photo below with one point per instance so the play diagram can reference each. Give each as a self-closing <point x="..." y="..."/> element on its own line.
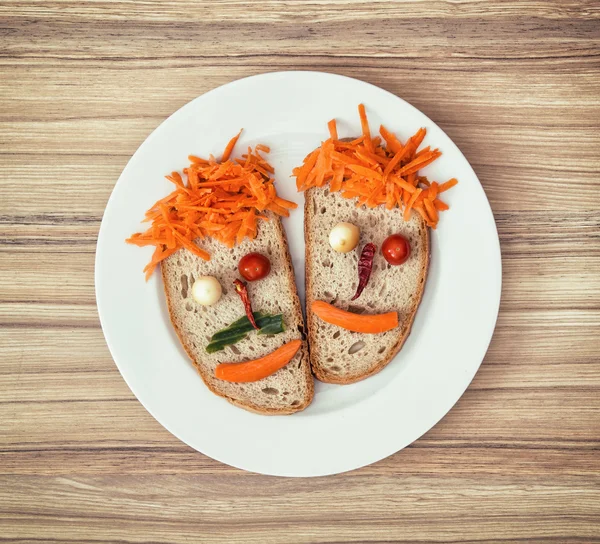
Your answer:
<point x="516" y="84"/>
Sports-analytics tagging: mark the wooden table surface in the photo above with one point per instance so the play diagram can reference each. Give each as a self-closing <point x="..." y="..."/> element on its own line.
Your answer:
<point x="516" y="84"/>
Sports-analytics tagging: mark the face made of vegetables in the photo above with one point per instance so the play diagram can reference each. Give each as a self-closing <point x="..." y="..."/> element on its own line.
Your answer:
<point x="344" y="238"/>
<point x="207" y="291"/>
<point x="376" y="171"/>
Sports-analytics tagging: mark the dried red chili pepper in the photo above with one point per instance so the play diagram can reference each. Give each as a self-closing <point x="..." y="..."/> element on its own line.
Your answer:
<point x="240" y="289"/>
<point x="365" y="265"/>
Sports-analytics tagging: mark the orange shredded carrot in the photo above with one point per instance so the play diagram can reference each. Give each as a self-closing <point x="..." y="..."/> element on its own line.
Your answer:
<point x="432" y="192"/>
<point x="376" y="173"/>
<point x="431" y="211"/>
<point x="440" y="205"/>
<point x="410" y="203"/>
<point x="403" y="184"/>
<point x="365" y="127"/>
<point x="448" y="185"/>
<point x="423" y="213"/>
<point x="332" y="126"/>
<point x="229" y="147"/>
<point x="390" y="139"/>
<point x="222" y="200"/>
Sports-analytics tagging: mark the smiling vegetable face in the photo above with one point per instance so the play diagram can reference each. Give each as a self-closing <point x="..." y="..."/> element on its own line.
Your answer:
<point x="207" y="291"/>
<point x="343" y="238"/>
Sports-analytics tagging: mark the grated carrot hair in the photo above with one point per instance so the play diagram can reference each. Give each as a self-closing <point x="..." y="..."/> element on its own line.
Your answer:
<point x="222" y="200"/>
<point x="376" y="174"/>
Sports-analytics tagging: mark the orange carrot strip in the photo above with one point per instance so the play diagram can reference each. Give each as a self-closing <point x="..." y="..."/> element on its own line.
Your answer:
<point x="369" y="324"/>
<point x="336" y="182"/>
<point x="374" y="158"/>
<point x="410" y="203"/>
<point x="202" y="209"/>
<point x="305" y="169"/>
<point x="252" y="371"/>
<point x="447" y="185"/>
<point x="192" y="247"/>
<point x="419" y="162"/>
<point x="440" y="205"/>
<point x="391" y="141"/>
<point x="344" y="159"/>
<point x="423" y="151"/>
<point x="431" y="211"/>
<point x="403" y="184"/>
<point x="175" y="177"/>
<point x="229" y="147"/>
<point x="171" y="243"/>
<point x="414" y="197"/>
<point x="395" y="161"/>
<point x="367" y="158"/>
<point x="279" y="210"/>
<point x="348" y="145"/>
<point x="141" y="242"/>
<point x="364" y="123"/>
<point x="321" y="167"/>
<point x="389" y="195"/>
<point x="158" y="256"/>
<point x="418" y="138"/>
<point x="424" y="215"/>
<point x="432" y="192"/>
<point x="196" y="160"/>
<point x="256" y="186"/>
<point x="366" y="172"/>
<point x="285" y="203"/>
<point x="332" y="126"/>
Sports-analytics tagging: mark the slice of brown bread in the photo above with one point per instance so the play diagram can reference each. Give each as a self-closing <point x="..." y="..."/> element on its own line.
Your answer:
<point x="288" y="390"/>
<point x="338" y="355"/>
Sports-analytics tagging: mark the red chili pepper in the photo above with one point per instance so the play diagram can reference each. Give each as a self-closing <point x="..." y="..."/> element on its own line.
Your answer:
<point x="240" y="289"/>
<point x="365" y="265"/>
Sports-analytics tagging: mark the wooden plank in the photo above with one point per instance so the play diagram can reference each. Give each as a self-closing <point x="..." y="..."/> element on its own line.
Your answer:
<point x="269" y="510"/>
<point x="282" y="11"/>
<point x="458" y="459"/>
<point x="505" y="37"/>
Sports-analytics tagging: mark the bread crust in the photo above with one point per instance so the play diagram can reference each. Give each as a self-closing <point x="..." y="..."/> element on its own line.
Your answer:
<point x="252" y="407"/>
<point x="321" y="373"/>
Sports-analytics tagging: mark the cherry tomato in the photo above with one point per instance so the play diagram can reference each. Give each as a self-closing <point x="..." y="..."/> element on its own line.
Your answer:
<point x="396" y="249"/>
<point x="254" y="266"/>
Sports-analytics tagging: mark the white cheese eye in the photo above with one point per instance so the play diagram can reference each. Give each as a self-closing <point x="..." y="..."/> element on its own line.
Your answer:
<point x="344" y="237"/>
<point x="206" y="290"/>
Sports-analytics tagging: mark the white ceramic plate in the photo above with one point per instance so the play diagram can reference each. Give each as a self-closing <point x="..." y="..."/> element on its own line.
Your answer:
<point x="345" y="427"/>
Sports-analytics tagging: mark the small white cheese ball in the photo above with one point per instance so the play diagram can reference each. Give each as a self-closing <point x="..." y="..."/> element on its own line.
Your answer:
<point x="206" y="290"/>
<point x="344" y="237"/>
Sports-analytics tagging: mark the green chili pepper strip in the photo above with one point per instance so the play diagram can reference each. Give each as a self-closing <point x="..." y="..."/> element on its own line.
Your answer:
<point x="268" y="324"/>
